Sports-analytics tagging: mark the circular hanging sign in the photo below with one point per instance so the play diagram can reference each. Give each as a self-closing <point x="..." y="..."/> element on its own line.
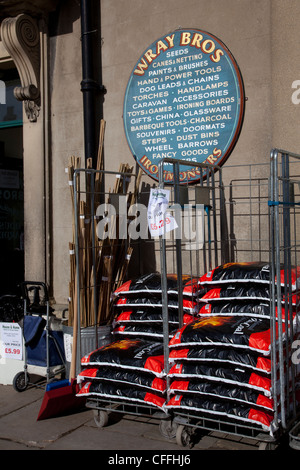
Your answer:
<point x="184" y="100"/>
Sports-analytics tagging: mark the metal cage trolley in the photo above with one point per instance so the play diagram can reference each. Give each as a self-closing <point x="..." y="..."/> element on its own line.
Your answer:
<point x="281" y="315"/>
<point x="284" y="206"/>
<point x="99" y="217"/>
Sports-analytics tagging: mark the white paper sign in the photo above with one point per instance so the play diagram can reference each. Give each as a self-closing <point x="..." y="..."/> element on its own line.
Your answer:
<point x="68" y="343"/>
<point x="160" y="221"/>
<point x="11" y="341"/>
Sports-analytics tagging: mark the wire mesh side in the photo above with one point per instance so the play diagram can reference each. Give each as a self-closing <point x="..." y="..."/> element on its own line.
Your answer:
<point x="284" y="205"/>
<point x="246" y="192"/>
<point x="255" y="219"/>
<point x="185" y="251"/>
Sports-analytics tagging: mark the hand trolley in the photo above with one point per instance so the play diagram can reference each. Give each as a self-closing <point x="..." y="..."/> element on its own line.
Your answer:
<point x="43" y="338"/>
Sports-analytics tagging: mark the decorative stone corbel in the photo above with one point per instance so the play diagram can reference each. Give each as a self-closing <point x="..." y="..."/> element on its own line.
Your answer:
<point x="21" y="39"/>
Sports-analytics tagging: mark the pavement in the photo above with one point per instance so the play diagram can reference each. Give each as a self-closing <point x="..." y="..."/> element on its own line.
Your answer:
<point x="124" y="434"/>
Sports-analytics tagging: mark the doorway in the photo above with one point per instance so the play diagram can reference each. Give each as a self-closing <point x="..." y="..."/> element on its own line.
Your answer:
<point x="11" y="184"/>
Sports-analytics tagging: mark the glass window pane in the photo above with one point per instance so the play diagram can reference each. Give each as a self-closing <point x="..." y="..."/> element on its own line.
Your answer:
<point x="10" y="107"/>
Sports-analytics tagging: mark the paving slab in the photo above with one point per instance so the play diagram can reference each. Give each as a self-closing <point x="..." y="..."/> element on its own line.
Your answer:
<point x="11" y="400"/>
<point x="18" y="422"/>
<point x="114" y="438"/>
<point x="20" y="430"/>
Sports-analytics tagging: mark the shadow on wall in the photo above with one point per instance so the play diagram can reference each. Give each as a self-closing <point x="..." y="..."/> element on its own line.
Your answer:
<point x="143" y="258"/>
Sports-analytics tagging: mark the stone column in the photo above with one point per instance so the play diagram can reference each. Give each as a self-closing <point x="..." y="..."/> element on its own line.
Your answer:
<point x="24" y="39"/>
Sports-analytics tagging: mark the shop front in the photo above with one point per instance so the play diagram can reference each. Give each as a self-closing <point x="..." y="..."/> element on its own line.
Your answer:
<point x="100" y="100"/>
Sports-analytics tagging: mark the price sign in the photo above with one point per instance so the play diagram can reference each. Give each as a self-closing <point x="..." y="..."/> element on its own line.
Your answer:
<point x="185" y="101"/>
<point x="11" y="341"/>
<point x="160" y="221"/>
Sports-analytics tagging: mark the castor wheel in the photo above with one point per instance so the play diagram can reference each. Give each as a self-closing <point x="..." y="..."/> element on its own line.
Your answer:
<point x="19" y="382"/>
<point x="267" y="446"/>
<point x="184" y="436"/>
<point x="101" y="418"/>
<point x="168" y="428"/>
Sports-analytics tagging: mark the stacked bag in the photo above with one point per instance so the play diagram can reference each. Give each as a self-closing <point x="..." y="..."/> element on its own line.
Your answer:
<point x="126" y="369"/>
<point x="131" y="368"/>
<point x="220" y="360"/>
<point x="220" y="363"/>
<point x="138" y="305"/>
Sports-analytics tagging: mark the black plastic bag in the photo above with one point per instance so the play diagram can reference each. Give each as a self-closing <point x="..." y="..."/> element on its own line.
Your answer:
<point x="235" y="331"/>
<point x="114" y="392"/>
<point x="123" y="377"/>
<point x="127" y="353"/>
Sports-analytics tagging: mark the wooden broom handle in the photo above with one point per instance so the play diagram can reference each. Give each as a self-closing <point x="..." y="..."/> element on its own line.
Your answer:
<point x="74" y="344"/>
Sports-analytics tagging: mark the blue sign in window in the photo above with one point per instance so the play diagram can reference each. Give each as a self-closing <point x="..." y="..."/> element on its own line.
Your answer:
<point x="10" y="107"/>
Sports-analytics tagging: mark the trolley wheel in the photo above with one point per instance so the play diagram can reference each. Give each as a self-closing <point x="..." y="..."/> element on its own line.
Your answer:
<point x="19" y="382"/>
<point x="267" y="446"/>
<point x="184" y="436"/>
<point x="168" y="428"/>
<point x="101" y="418"/>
